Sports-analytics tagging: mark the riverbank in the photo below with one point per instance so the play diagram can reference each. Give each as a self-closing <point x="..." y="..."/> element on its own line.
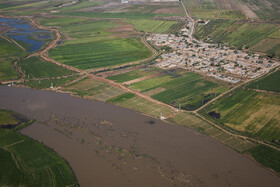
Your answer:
<point x="101" y="140"/>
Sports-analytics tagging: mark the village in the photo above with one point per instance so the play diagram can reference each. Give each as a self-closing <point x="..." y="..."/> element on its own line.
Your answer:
<point x="215" y="60"/>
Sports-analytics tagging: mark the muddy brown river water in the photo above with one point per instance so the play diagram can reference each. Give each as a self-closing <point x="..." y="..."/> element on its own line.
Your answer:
<point x="111" y="146"/>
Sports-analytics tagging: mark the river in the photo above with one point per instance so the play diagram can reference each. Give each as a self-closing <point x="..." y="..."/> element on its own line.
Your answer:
<point x="107" y="145"/>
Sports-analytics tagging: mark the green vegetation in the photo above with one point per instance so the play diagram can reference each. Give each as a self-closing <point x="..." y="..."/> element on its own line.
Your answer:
<point x="154" y="26"/>
<point x="128" y="15"/>
<point x="9" y="52"/>
<point x="95" y="45"/>
<point x="188" y="90"/>
<point x="269" y="83"/>
<point x="134" y="102"/>
<point x="62" y="21"/>
<point x="183" y="92"/>
<point x="213" y="9"/>
<point x="266" y="156"/>
<point x="94" y="89"/>
<point x="79" y="5"/>
<point x="192" y="121"/>
<point x="239" y="34"/>
<point x="150" y="84"/>
<point x="8" y="117"/>
<point x="252" y="113"/>
<point x="35" y="67"/>
<point x="46" y="83"/>
<point x="131" y="75"/>
<point x="121" y="98"/>
<point x="24" y="162"/>
<point x="101" y="53"/>
<point x="267" y="10"/>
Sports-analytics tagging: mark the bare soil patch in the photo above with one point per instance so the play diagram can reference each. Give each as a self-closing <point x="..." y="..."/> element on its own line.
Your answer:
<point x="140" y="79"/>
<point x="154" y="91"/>
<point x="167" y="10"/>
<point x="248" y="13"/>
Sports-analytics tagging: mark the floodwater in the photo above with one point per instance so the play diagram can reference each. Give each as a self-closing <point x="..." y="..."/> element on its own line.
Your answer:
<point x="22" y="31"/>
<point x="111" y="146"/>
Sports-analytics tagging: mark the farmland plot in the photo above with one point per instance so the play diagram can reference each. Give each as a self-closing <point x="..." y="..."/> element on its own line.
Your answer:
<point x="249" y="112"/>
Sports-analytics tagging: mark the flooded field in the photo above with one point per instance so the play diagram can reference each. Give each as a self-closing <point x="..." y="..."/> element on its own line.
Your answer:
<point x="111" y="146"/>
<point x="32" y="38"/>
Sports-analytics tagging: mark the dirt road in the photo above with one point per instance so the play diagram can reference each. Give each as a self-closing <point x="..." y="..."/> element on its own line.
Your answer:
<point x="189" y="18"/>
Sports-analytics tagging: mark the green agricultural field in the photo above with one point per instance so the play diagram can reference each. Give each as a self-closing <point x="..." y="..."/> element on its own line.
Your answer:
<point x="189" y="90"/>
<point x="150" y="84"/>
<point x="133" y="102"/>
<point x="266" y="156"/>
<point x="154" y="26"/>
<point x="94" y="44"/>
<point x="269" y="83"/>
<point x="35" y="67"/>
<point x="79" y="5"/>
<point x="131" y="75"/>
<point x="130" y="12"/>
<point x="184" y="92"/>
<point x="94" y="89"/>
<point x="78" y="29"/>
<point x="8" y="53"/>
<point x="24" y="6"/>
<point x="62" y="21"/>
<point x="127" y="15"/>
<point x="249" y="112"/>
<point x="25" y="162"/>
<point x="189" y="120"/>
<point x="101" y="53"/>
<point x="202" y="9"/>
<point x="31" y="7"/>
<point x="268" y="44"/>
<point x="265" y="9"/>
<point x="56" y="82"/>
<point x="239" y="34"/>
<point x="8" y="117"/>
<point x="171" y="9"/>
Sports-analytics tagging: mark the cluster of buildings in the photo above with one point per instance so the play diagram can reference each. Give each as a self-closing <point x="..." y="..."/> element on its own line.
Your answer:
<point x="213" y="60"/>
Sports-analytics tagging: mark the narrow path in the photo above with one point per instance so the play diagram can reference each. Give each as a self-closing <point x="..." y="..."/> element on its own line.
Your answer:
<point x="189" y="17"/>
<point x="18" y="44"/>
<point x="235" y="135"/>
<point x="5" y="38"/>
<point x="13" y="144"/>
<point x="10" y="40"/>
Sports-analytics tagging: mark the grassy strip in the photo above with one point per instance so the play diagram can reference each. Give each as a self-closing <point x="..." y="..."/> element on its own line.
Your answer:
<point x="267" y="157"/>
<point x="121" y="98"/>
<point x="269" y="83"/>
<point x="9" y="52"/>
<point x="47" y="83"/>
<point x="35" y="67"/>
